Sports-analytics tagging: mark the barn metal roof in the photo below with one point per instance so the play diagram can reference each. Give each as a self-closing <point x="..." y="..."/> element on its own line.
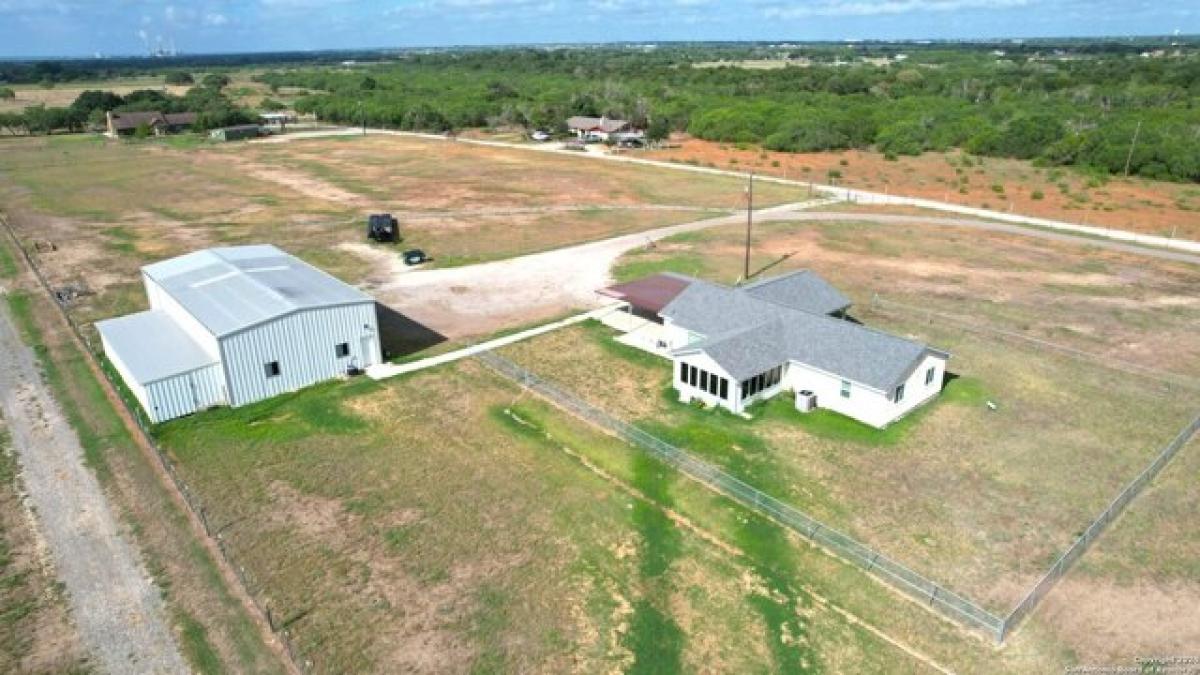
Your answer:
<point x="233" y="288"/>
<point x="152" y="346"/>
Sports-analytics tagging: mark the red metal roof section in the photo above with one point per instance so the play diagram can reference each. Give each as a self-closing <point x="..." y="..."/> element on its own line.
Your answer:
<point x="648" y="293"/>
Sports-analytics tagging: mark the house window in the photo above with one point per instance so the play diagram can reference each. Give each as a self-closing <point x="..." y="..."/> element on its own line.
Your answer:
<point x="713" y="385"/>
<point x="272" y="369"/>
<point x="342" y="350"/>
<point x="683" y="367"/>
<point x="724" y="393"/>
<point x="929" y="375"/>
<point x="703" y="380"/>
<point x="899" y="393"/>
<point x="693" y="375"/>
<point x="845" y="388"/>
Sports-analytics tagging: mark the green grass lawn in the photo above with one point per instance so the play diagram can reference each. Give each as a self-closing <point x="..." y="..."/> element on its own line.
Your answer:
<point x="488" y="532"/>
<point x="949" y="490"/>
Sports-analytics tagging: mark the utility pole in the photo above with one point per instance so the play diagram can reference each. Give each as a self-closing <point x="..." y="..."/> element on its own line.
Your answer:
<point x="749" y="224"/>
<point x="362" y="116"/>
<point x="1132" y="143"/>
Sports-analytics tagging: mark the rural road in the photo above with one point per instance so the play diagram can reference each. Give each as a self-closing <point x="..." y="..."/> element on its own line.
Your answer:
<point x="114" y="604"/>
<point x="841" y="193"/>
<point x="474" y="300"/>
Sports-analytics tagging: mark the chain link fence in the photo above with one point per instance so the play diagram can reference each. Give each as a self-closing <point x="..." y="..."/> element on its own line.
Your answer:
<point x="190" y="498"/>
<point x="942" y="600"/>
<point x="1097" y="528"/>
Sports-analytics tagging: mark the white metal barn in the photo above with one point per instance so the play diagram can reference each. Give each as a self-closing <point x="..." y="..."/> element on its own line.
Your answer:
<point x="237" y="325"/>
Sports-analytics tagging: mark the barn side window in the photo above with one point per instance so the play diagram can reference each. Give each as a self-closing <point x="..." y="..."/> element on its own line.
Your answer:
<point x="342" y="349"/>
<point x="845" y="388"/>
<point x="929" y="376"/>
<point x="272" y="369"/>
<point x="899" y="393"/>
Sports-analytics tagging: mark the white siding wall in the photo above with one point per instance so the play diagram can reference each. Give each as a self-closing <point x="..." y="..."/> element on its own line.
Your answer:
<point x="185" y="393"/>
<point x="115" y="359"/>
<point x="303" y="344"/>
<point x="864" y="404"/>
<point x="163" y="302"/>
<point x="676" y="336"/>
<point x="689" y="393"/>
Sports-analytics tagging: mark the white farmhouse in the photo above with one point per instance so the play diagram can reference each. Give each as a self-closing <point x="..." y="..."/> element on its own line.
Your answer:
<point x="734" y="346"/>
<point x="230" y="326"/>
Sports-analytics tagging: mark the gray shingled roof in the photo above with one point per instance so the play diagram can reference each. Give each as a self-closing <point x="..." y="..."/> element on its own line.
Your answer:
<point x="802" y="290"/>
<point x="152" y="346"/>
<point x="747" y="335"/>
<point x="230" y="289"/>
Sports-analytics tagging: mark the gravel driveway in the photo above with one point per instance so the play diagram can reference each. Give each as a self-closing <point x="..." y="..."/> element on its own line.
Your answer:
<point x="473" y="300"/>
<point x="114" y="604"/>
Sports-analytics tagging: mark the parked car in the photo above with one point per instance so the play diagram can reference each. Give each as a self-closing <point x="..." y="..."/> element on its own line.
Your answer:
<point x="540" y="136"/>
<point x="415" y="257"/>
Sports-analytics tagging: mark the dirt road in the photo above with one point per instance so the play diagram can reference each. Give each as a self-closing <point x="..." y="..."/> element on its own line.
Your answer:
<point x="114" y="604"/>
<point x="462" y="302"/>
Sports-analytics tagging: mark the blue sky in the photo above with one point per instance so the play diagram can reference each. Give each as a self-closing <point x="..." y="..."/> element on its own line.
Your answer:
<point x="84" y="27"/>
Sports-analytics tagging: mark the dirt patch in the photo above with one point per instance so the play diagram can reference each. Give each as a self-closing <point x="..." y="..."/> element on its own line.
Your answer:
<point x="1111" y="624"/>
<point x="1135" y="205"/>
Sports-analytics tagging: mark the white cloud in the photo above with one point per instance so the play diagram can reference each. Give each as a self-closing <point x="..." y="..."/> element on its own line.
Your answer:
<point x="215" y="19"/>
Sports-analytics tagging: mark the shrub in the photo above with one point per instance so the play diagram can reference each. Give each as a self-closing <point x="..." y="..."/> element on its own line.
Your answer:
<point x="1037" y="195"/>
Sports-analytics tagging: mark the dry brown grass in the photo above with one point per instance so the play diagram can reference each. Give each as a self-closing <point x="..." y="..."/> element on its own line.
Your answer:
<point x="1136" y="205"/>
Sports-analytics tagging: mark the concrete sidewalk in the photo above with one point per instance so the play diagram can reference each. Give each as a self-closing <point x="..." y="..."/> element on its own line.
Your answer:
<point x="386" y="370"/>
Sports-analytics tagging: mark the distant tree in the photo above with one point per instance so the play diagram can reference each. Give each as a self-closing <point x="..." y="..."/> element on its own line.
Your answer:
<point x="658" y="130"/>
<point x="142" y="131"/>
<point x="271" y="105"/>
<point x="6" y="93"/>
<point x="13" y="123"/>
<point x="368" y="84"/>
<point x="179" y="78"/>
<point x="93" y="100"/>
<point x="215" y="81"/>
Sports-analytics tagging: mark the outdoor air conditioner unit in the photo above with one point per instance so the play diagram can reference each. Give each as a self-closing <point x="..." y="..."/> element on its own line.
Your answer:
<point x="806" y="401"/>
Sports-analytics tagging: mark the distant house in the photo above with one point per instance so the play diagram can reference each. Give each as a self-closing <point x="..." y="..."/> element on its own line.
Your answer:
<point x="278" y="119"/>
<point x="159" y="124"/>
<point x="236" y="133"/>
<point x="601" y="128"/>
<point x="732" y="347"/>
<point x="230" y="326"/>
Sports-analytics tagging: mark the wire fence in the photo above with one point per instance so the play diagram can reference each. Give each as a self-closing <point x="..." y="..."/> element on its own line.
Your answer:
<point x="1097" y="528"/>
<point x="190" y="498"/>
<point x="883" y="305"/>
<point x="939" y="598"/>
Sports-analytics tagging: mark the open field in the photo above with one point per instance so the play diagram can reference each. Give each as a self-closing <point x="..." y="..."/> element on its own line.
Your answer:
<point x="242" y="90"/>
<point x="1136" y="205"/>
<point x="1010" y="488"/>
<point x="1119" y="306"/>
<point x="492" y="533"/>
<point x="110" y="207"/>
<point x="979" y="500"/>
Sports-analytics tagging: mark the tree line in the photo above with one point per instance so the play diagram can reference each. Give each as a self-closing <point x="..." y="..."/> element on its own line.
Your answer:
<point x="1074" y="108"/>
<point x="88" y="111"/>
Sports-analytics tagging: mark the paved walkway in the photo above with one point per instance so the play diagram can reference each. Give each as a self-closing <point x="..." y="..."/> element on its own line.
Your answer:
<point x="386" y="370"/>
<point x="114" y="604"/>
